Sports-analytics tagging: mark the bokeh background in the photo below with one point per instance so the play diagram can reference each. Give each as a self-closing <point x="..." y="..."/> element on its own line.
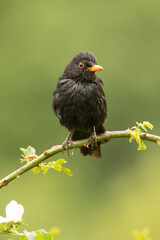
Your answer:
<point x="107" y="198"/>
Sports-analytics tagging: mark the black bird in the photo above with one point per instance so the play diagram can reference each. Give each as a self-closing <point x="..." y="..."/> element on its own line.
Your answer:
<point x="79" y="102"/>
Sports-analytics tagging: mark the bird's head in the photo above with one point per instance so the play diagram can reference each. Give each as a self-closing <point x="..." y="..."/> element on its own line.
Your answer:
<point x="82" y="67"/>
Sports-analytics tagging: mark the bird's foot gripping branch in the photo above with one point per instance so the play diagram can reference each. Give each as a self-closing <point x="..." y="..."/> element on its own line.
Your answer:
<point x="34" y="162"/>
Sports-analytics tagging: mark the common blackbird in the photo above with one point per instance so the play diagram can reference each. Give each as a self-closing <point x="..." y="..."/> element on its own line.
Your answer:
<point x="79" y="102"/>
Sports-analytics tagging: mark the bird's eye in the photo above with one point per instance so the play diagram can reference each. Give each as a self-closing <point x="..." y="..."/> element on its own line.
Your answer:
<point x="81" y="65"/>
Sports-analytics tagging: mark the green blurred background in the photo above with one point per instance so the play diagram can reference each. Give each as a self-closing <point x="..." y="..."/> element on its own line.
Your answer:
<point x="107" y="198"/>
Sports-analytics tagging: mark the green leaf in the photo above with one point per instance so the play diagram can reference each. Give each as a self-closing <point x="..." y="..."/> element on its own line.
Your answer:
<point x="24" y="151"/>
<point x="138" y="139"/>
<point x="142" y="146"/>
<point x="58" y="167"/>
<point x="51" y="164"/>
<point x="36" y="169"/>
<point x="148" y="124"/>
<point x="138" y="130"/>
<point x="29" y="154"/>
<point x="31" y="150"/>
<point x="67" y="171"/>
<point x="45" y="169"/>
<point x="30" y="235"/>
<point x="144" y="125"/>
<point x="28" y="151"/>
<point x="43" y="235"/>
<point x="20" y="235"/>
<point x="133" y="134"/>
<point x="60" y="161"/>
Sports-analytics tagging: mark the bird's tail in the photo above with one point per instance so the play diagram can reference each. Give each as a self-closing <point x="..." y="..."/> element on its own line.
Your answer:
<point x="94" y="150"/>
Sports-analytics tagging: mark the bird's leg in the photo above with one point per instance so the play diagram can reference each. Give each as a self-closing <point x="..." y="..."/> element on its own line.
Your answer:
<point x="93" y="138"/>
<point x="66" y="142"/>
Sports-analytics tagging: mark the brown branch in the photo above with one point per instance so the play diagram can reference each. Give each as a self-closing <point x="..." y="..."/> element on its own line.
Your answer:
<point x="56" y="149"/>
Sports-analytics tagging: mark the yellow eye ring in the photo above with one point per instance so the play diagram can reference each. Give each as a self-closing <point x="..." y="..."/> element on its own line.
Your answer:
<point x="81" y="65"/>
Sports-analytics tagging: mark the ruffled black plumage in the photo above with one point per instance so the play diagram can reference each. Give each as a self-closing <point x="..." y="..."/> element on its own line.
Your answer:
<point x="79" y="101"/>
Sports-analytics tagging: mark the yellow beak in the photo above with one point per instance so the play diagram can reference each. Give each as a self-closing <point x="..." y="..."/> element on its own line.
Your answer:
<point x="95" y="68"/>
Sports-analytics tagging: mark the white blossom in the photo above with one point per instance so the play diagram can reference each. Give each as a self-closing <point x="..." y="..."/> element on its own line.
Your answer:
<point x="14" y="212"/>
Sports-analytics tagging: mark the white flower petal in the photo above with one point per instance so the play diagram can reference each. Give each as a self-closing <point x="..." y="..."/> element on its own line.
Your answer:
<point x="2" y="219"/>
<point x="14" y="211"/>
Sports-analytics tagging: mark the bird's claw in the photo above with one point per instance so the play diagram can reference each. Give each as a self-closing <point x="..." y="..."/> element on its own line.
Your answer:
<point x="92" y="138"/>
<point x="66" y="143"/>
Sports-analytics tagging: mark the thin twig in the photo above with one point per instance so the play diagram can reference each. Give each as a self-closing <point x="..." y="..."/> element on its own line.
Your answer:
<point x="56" y="149"/>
